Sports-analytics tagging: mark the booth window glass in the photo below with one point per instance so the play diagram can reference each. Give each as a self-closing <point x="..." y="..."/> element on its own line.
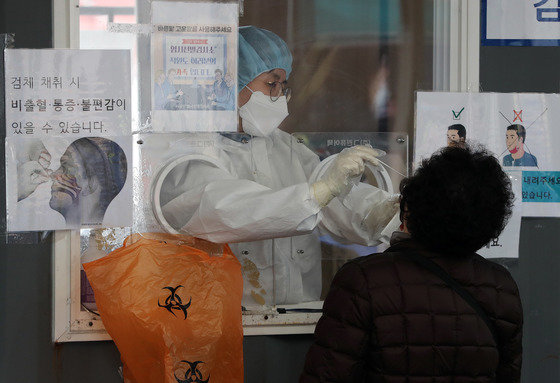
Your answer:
<point x="356" y="66"/>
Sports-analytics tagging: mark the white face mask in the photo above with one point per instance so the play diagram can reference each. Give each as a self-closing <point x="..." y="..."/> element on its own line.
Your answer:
<point x="261" y="116"/>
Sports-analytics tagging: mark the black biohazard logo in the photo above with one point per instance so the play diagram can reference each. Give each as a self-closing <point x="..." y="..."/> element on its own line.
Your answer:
<point x="174" y="302"/>
<point x="191" y="373"/>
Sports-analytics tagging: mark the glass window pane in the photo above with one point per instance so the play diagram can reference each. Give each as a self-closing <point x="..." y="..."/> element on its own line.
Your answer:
<point x="356" y="63"/>
<point x="95" y="16"/>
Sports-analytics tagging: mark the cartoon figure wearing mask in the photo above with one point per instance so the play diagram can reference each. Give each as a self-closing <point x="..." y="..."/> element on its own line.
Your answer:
<point x="265" y="207"/>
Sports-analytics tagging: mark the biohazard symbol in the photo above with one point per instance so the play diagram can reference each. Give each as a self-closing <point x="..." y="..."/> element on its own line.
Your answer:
<point x="518" y="115"/>
<point x="174" y="302"/>
<point x="192" y="375"/>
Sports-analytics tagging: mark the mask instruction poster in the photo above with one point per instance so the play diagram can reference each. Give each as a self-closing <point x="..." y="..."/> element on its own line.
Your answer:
<point x="507" y="244"/>
<point x="520" y="129"/>
<point x="194" y="66"/>
<point x="68" y="144"/>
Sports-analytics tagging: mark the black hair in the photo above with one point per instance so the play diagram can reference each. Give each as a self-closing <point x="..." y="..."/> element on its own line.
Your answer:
<point x="519" y="129"/>
<point x="461" y="130"/>
<point x="457" y="201"/>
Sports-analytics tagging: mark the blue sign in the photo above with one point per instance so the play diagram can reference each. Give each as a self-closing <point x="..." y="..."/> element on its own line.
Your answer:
<point x="541" y="186"/>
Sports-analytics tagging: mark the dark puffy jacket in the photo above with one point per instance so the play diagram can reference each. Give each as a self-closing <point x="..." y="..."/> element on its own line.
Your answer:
<point x="386" y="319"/>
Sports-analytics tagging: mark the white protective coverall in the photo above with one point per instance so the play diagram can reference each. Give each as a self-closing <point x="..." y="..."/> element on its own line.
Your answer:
<point x="262" y="206"/>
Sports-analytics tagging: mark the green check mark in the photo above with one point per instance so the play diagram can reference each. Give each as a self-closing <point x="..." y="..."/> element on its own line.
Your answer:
<point x="456" y="115"/>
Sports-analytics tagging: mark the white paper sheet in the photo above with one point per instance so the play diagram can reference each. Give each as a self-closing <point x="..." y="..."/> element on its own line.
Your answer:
<point x="507" y="244"/>
<point x="67" y="92"/>
<point x="68" y="145"/>
<point x="87" y="182"/>
<point x="486" y="117"/>
<point x="194" y="66"/>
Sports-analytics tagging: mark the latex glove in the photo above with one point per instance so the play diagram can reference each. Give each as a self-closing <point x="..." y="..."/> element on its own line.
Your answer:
<point x="31" y="150"/>
<point x="30" y="175"/>
<point x="381" y="214"/>
<point x="349" y="164"/>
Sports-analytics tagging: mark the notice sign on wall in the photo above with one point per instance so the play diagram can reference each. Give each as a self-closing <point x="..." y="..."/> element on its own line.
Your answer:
<point x="521" y="129"/>
<point x="194" y="66"/>
<point x="520" y="22"/>
<point x="66" y="92"/>
<point x="68" y="144"/>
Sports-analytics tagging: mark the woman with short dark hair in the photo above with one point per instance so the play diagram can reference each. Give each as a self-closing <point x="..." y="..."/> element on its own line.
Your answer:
<point x="429" y="309"/>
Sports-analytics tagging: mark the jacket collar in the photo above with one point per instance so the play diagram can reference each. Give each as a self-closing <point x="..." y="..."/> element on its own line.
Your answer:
<point x="398" y="236"/>
<point x="403" y="242"/>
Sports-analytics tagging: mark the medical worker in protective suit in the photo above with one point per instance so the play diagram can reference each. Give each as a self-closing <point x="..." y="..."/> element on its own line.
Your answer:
<point x="262" y="203"/>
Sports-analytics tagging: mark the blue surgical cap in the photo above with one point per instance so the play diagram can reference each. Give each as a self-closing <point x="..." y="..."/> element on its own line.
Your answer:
<point x="260" y="51"/>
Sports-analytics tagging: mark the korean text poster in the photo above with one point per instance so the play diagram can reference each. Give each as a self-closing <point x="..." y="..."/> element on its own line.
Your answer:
<point x="194" y="66"/>
<point x="520" y="22"/>
<point x="519" y="128"/>
<point x="68" y="144"/>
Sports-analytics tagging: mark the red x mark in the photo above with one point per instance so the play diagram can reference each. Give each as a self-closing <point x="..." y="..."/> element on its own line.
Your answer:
<point x="518" y="115"/>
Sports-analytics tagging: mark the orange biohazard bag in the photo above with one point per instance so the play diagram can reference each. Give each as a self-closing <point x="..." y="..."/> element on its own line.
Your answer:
<point x="172" y="304"/>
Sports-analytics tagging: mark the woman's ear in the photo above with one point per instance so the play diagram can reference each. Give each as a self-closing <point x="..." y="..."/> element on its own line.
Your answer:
<point x="403" y="216"/>
<point x="403" y="227"/>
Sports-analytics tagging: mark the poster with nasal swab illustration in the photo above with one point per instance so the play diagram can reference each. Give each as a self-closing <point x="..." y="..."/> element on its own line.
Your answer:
<point x="68" y="139"/>
<point x="520" y="129"/>
<point x="68" y="183"/>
